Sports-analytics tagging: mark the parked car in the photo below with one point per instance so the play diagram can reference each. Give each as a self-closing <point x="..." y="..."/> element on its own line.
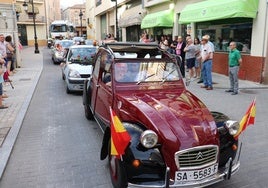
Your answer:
<point x="58" y="50"/>
<point x="175" y="140"/>
<point x="77" y="66"/>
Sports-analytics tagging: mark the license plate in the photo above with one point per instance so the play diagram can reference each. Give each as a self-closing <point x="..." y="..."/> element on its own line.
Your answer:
<point x="195" y="175"/>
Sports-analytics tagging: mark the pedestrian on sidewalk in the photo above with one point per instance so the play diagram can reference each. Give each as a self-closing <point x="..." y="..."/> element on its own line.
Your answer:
<point x="190" y="51"/>
<point x="207" y="56"/>
<point x="180" y="52"/>
<point x="197" y="58"/>
<point x="234" y="61"/>
<point x="10" y="50"/>
<point x="213" y="50"/>
<point x="2" y="70"/>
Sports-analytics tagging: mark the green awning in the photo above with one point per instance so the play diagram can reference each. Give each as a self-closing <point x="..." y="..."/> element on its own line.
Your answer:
<point x="158" y="19"/>
<point x="218" y="9"/>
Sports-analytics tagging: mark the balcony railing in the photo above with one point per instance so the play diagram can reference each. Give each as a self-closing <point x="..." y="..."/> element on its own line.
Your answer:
<point x="29" y="18"/>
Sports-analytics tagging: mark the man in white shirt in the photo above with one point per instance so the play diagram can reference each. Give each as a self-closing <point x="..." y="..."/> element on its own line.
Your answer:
<point x="207" y="55"/>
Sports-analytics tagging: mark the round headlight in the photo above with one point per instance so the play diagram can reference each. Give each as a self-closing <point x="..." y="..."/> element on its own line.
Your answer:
<point x="232" y="126"/>
<point x="148" y="139"/>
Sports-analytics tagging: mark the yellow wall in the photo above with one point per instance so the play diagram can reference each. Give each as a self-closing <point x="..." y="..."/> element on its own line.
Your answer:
<point x="7" y="1"/>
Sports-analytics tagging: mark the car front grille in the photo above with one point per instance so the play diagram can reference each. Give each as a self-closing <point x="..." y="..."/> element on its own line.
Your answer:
<point x="76" y="81"/>
<point x="196" y="157"/>
<point x="85" y="75"/>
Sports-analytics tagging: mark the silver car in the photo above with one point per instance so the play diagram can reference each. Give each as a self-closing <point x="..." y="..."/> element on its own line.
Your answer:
<point x="77" y="66"/>
<point x="57" y="54"/>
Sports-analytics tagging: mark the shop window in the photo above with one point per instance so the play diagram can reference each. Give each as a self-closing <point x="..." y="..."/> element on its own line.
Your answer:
<point x="222" y="32"/>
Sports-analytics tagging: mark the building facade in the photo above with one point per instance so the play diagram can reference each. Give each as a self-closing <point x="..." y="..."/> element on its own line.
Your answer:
<point x="9" y="13"/>
<point x="25" y="23"/>
<point x="52" y="12"/>
<point x="73" y="15"/>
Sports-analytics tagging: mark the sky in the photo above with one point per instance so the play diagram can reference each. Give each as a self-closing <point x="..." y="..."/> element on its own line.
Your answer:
<point x="68" y="3"/>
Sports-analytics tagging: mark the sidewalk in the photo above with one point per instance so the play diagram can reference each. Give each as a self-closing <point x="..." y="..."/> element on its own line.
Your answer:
<point x="25" y="81"/>
<point x="19" y="98"/>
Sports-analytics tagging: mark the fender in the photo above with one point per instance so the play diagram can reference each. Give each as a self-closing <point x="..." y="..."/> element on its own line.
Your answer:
<point x="135" y="150"/>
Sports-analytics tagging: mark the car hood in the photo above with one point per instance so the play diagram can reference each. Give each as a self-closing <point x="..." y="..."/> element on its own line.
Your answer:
<point x="82" y="69"/>
<point x="181" y="120"/>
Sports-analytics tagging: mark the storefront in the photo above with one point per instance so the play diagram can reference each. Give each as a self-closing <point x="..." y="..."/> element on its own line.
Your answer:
<point x="159" y="23"/>
<point x="159" y="19"/>
<point x="242" y="21"/>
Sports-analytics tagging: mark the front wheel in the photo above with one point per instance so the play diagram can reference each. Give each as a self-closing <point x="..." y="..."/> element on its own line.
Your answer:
<point x="86" y="102"/>
<point x="68" y="91"/>
<point x="117" y="171"/>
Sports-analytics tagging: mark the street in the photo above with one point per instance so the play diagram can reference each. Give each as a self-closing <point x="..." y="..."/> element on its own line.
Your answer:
<point x="58" y="147"/>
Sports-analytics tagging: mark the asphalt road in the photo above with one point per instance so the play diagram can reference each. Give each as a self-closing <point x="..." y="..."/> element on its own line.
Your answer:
<point x="58" y="147"/>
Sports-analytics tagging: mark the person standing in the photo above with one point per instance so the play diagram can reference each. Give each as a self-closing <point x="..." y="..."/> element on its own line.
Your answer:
<point x="3" y="49"/>
<point x="206" y="55"/>
<point x="2" y="70"/>
<point x="190" y="51"/>
<point x="197" y="58"/>
<point x="234" y="61"/>
<point x="10" y="50"/>
<point x="213" y="50"/>
<point x="180" y="52"/>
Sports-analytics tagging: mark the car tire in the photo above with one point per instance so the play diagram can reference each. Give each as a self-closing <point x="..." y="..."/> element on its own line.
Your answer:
<point x="88" y="112"/>
<point x="68" y="91"/>
<point x="86" y="102"/>
<point x="117" y="171"/>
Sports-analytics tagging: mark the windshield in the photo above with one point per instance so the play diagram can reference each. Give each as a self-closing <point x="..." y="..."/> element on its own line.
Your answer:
<point x="66" y="44"/>
<point x="146" y="72"/>
<point x="78" y="55"/>
<point x="58" y="28"/>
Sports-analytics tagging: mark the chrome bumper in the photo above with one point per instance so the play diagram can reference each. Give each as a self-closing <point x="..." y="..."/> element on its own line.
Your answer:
<point x="223" y="174"/>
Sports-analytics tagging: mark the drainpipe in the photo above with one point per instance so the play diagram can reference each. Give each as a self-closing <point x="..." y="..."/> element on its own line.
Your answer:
<point x="16" y="38"/>
<point x="264" y="78"/>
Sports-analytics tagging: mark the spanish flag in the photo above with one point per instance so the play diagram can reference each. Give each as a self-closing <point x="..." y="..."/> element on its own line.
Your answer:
<point x="119" y="136"/>
<point x="248" y="119"/>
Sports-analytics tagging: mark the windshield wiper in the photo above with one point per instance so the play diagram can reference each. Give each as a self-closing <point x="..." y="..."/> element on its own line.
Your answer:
<point x="142" y="80"/>
<point x="165" y="78"/>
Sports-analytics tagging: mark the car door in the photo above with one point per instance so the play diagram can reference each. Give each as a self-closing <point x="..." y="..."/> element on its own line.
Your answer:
<point x="94" y="83"/>
<point x="102" y="95"/>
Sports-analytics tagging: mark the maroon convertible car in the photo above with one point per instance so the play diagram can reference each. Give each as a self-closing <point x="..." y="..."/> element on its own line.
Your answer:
<point x="175" y="140"/>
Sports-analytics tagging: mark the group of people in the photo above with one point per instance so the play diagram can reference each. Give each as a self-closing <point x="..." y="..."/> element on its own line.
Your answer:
<point x="7" y="51"/>
<point x="197" y="55"/>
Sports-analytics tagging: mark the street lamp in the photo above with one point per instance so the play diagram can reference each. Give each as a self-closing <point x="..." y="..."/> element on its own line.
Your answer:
<point x="25" y="5"/>
<point x="116" y="20"/>
<point x="81" y="15"/>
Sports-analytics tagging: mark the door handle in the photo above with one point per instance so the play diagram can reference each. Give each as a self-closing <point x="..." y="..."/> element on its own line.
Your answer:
<point x="97" y="85"/>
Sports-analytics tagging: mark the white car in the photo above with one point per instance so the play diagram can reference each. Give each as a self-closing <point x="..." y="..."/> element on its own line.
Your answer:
<point x="77" y="66"/>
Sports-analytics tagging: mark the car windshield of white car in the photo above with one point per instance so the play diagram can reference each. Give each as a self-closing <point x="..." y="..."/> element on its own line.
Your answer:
<point x="82" y="55"/>
<point x="146" y="72"/>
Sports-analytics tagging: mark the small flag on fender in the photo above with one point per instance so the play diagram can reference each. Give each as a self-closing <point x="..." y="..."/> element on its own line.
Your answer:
<point x="248" y="119"/>
<point x="119" y="136"/>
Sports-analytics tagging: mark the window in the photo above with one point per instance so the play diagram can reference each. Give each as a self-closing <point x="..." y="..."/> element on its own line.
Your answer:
<point x="222" y="32"/>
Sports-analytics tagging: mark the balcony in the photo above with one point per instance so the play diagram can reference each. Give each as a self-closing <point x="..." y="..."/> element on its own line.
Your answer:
<point x="28" y="18"/>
